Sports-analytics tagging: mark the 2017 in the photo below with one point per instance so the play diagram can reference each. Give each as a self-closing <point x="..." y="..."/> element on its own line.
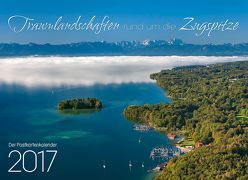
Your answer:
<point x="22" y="157"/>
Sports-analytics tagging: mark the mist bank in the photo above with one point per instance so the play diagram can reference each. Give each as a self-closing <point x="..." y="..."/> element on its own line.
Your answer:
<point x="88" y="71"/>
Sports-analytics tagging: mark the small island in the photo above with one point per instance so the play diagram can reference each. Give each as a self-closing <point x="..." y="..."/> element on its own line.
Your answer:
<point x="80" y="104"/>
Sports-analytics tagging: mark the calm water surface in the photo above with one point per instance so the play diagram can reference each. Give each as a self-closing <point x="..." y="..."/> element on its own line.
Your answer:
<point x="85" y="141"/>
<point x="28" y="113"/>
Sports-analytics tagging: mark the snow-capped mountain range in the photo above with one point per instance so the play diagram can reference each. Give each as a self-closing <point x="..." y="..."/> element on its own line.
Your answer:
<point x="134" y="48"/>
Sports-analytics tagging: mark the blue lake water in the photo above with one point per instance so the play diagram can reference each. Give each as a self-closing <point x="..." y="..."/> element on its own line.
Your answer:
<point x="85" y="141"/>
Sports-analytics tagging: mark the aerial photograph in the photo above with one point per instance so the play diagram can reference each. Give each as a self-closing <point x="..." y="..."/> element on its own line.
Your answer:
<point x="123" y="90"/>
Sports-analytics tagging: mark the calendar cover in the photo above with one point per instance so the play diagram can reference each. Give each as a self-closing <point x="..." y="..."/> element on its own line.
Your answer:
<point x="123" y="89"/>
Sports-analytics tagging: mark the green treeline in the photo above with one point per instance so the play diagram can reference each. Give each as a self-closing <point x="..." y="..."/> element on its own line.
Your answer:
<point x="210" y="105"/>
<point x="79" y="104"/>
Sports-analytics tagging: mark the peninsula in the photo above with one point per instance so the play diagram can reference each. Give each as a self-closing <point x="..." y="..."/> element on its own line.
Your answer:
<point x="210" y="107"/>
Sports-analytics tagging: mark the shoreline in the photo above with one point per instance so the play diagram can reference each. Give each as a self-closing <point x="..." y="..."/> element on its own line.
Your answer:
<point x="200" y="119"/>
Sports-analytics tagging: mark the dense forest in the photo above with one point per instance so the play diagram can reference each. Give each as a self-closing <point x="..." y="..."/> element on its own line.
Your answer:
<point x="79" y="104"/>
<point x="210" y="106"/>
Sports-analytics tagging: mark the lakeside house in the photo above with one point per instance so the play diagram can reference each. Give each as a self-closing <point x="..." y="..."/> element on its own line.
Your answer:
<point x="185" y="149"/>
<point x="198" y="145"/>
<point x="171" y="136"/>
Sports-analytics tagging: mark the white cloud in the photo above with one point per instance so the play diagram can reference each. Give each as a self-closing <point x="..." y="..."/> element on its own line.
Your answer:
<point x="58" y="71"/>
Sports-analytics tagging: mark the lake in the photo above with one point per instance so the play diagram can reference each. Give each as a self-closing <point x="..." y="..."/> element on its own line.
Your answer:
<point x="29" y="94"/>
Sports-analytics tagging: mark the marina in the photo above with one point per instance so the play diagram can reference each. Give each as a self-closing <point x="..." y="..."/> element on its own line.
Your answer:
<point x="141" y="127"/>
<point x="164" y="153"/>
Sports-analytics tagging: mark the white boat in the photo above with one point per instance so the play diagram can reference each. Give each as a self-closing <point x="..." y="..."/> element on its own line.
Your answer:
<point x="130" y="164"/>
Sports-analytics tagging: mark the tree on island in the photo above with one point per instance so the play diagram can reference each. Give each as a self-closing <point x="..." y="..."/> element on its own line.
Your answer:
<point x="80" y="104"/>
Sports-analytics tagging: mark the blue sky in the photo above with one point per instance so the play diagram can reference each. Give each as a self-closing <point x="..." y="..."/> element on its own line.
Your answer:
<point x="126" y="12"/>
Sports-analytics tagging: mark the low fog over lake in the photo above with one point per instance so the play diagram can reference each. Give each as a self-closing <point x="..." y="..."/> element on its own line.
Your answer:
<point x="86" y="71"/>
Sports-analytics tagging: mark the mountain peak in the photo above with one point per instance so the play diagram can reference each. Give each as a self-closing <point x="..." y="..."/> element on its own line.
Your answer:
<point x="146" y="42"/>
<point x="175" y="41"/>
